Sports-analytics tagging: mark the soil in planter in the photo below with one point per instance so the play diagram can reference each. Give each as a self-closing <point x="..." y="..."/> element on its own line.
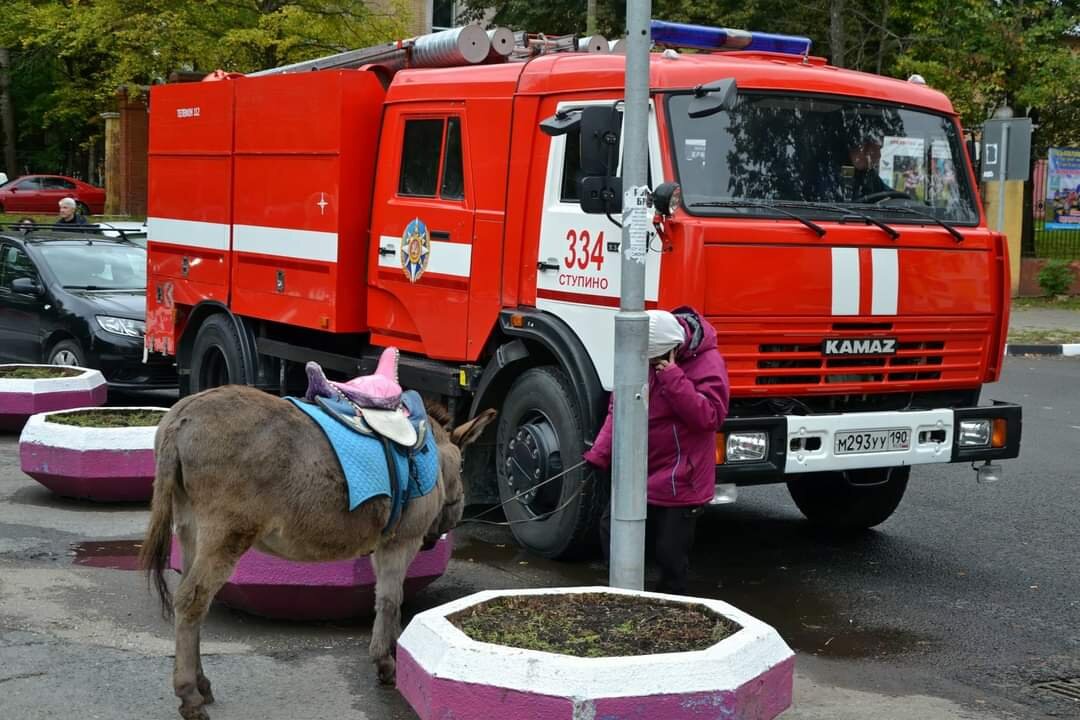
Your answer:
<point x="594" y="624"/>
<point x="114" y="418"/>
<point x="28" y="372"/>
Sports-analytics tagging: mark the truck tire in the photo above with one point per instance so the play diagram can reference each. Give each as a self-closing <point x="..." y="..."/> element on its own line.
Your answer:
<point x="850" y="501"/>
<point x="539" y="434"/>
<point x="216" y="356"/>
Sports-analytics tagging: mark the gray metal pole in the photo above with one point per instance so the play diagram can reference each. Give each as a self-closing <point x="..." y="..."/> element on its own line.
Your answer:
<point x="630" y="450"/>
<point x="1003" y="168"/>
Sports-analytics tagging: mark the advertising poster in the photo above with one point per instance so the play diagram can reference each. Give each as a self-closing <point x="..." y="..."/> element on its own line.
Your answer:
<point x="903" y="165"/>
<point x="1063" y="189"/>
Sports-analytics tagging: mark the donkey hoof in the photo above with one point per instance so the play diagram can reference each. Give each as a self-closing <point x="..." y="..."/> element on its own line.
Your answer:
<point x="386" y="669"/>
<point x="194" y="713"/>
<point x="204" y="689"/>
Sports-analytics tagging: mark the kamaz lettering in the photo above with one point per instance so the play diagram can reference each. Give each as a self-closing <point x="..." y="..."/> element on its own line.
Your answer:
<point x="866" y="346"/>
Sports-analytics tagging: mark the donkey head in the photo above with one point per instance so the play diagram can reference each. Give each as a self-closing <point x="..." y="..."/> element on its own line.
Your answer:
<point x="451" y="443"/>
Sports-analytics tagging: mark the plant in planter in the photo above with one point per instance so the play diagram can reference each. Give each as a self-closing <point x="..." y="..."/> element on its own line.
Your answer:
<point x="592" y="653"/>
<point x="104" y="454"/>
<point x="272" y="587"/>
<point x="26" y="390"/>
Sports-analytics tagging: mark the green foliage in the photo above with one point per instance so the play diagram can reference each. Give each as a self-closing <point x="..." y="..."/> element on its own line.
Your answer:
<point x="1056" y="277"/>
<point x="71" y="56"/>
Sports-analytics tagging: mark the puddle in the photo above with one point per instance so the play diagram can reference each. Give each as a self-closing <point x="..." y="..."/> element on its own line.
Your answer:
<point x="111" y="554"/>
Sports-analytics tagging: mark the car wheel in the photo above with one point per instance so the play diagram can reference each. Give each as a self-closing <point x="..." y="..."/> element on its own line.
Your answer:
<point x="540" y="434"/>
<point x="851" y="501"/>
<point x="67" y="352"/>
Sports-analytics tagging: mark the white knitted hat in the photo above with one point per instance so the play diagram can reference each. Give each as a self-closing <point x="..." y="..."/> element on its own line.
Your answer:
<point x="665" y="333"/>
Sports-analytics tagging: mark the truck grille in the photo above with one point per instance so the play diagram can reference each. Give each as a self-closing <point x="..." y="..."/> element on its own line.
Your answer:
<point x="787" y="356"/>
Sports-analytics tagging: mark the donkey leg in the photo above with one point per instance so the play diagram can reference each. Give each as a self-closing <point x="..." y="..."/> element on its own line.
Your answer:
<point x="188" y="543"/>
<point x="214" y="560"/>
<point x="391" y="562"/>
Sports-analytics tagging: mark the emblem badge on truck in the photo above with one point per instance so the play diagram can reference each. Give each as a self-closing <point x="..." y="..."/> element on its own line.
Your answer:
<point x="859" y="346"/>
<point x="415" y="249"/>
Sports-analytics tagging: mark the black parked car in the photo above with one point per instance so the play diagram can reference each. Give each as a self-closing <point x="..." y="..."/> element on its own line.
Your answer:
<point x="77" y="297"/>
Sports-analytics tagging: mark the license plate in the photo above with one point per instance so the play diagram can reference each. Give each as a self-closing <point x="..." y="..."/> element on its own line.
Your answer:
<point x="872" y="441"/>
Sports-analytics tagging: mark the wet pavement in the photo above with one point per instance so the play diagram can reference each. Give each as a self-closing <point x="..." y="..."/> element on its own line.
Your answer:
<point x="956" y="608"/>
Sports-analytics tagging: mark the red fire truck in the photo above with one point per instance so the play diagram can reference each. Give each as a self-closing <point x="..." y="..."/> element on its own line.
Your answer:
<point x="825" y="221"/>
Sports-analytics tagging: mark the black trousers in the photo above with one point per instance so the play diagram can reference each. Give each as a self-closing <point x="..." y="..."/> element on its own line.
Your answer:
<point x="669" y="537"/>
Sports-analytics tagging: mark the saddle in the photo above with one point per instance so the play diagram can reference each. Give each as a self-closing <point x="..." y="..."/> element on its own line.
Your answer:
<point x="378" y="432"/>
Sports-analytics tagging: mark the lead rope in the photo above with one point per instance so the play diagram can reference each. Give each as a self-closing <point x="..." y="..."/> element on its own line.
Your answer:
<point x="541" y="516"/>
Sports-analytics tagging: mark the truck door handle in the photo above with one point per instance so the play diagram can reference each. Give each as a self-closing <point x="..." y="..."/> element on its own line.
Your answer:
<point x="550" y="264"/>
<point x="387" y="250"/>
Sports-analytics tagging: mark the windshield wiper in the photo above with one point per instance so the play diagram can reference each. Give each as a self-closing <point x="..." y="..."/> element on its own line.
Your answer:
<point x="929" y="216"/>
<point x="820" y="231"/>
<point x="890" y="231"/>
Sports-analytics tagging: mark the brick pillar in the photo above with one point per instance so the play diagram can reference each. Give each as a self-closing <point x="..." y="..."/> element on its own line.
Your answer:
<point x="112" y="163"/>
<point x="134" y="137"/>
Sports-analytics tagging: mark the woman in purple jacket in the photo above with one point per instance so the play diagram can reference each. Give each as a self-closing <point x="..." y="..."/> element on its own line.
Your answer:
<point x="688" y="401"/>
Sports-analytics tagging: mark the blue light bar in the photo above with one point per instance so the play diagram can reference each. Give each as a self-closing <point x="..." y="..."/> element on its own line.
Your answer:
<point x="701" y="37"/>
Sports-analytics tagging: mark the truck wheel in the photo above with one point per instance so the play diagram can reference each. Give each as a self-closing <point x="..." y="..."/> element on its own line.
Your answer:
<point x="850" y="501"/>
<point x="216" y="357"/>
<point x="540" y="433"/>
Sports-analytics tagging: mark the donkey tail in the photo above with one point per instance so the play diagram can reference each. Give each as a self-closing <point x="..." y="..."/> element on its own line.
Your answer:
<point x="157" y="545"/>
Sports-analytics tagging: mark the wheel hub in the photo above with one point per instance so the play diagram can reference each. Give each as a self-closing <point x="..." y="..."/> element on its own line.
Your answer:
<point x="533" y="457"/>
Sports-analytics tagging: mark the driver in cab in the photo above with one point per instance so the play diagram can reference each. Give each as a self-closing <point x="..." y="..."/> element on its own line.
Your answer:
<point x="861" y="177"/>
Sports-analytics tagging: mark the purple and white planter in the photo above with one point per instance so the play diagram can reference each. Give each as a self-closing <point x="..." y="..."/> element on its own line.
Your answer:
<point x="21" y="398"/>
<point x="443" y="673"/>
<point x="269" y="586"/>
<point x="92" y="463"/>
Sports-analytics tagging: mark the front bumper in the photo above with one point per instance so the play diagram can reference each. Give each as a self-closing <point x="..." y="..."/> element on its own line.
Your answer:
<point x="806" y="443"/>
<point x="120" y="360"/>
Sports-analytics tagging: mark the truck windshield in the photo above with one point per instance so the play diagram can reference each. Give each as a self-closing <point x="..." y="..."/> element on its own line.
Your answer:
<point x="790" y="150"/>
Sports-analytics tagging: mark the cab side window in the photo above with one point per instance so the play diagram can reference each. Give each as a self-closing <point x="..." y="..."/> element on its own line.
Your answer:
<point x="428" y="147"/>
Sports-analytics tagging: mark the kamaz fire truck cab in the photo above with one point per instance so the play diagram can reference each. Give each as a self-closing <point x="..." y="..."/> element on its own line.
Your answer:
<point x="824" y="221"/>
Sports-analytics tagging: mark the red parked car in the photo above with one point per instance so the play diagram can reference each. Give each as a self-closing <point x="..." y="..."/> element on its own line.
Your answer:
<point x="41" y="193"/>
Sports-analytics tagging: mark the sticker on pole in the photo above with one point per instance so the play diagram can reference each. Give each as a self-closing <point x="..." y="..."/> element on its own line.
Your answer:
<point x="635" y="216"/>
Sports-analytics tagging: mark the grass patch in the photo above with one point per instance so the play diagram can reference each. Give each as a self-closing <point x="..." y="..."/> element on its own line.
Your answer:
<point x="29" y="372"/>
<point x="1042" y="336"/>
<point x="594" y="624"/>
<point x="108" y="418"/>
<point x="1071" y="302"/>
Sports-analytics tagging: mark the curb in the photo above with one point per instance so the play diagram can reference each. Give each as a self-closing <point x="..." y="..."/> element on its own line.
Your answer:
<point x="1066" y="349"/>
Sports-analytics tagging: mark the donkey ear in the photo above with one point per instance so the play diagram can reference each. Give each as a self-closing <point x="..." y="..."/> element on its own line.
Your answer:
<point x="469" y="432"/>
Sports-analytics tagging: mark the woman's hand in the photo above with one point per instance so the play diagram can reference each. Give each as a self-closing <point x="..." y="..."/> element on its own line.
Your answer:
<point x="666" y="363"/>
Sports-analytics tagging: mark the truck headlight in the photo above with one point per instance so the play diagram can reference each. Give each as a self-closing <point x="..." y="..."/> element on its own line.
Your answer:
<point x="974" y="433"/>
<point x="121" y="326"/>
<point x="747" y="447"/>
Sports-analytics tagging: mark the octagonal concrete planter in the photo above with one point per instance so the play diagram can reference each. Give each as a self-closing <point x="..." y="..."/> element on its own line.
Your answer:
<point x="107" y="464"/>
<point x="269" y="586"/>
<point x="445" y="674"/>
<point x="22" y="397"/>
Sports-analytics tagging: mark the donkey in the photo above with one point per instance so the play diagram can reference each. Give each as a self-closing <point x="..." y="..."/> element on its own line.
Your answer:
<point x="238" y="468"/>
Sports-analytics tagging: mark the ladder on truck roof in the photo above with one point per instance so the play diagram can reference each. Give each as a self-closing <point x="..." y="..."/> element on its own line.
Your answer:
<point x="466" y="45"/>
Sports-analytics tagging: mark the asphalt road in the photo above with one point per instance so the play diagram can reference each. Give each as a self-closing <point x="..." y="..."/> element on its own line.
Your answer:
<point x="954" y="609"/>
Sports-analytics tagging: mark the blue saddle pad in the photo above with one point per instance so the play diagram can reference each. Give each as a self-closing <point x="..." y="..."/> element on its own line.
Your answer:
<point x="363" y="458"/>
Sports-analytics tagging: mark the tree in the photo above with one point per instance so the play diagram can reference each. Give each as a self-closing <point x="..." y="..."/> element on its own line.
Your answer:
<point x="7" y="114"/>
<point x="88" y="49"/>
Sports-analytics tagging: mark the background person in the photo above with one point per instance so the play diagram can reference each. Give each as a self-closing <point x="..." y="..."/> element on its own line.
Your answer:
<point x="69" y="213"/>
<point x="688" y="401"/>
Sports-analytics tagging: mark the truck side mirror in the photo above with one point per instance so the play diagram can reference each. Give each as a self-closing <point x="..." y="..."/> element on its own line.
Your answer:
<point x="713" y="97"/>
<point x="600" y="189"/>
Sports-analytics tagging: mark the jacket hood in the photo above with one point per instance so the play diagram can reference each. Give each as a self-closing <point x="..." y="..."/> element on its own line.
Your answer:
<point x="700" y="334"/>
